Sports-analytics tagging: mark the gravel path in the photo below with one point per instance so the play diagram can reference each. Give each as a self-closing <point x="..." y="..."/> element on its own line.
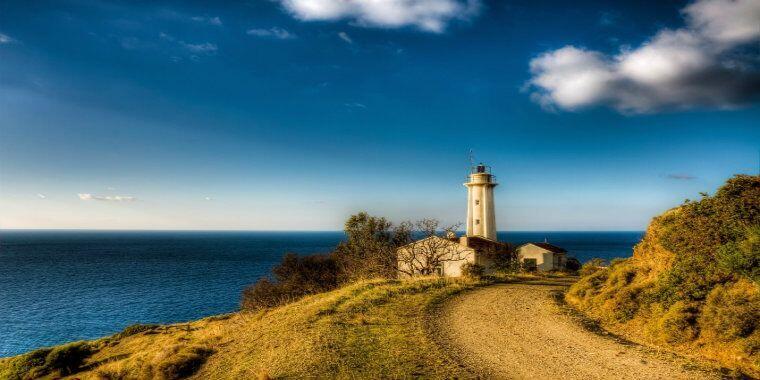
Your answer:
<point x="518" y="331"/>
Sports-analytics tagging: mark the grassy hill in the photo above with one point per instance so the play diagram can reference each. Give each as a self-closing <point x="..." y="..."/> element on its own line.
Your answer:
<point x="692" y="284"/>
<point x="371" y="329"/>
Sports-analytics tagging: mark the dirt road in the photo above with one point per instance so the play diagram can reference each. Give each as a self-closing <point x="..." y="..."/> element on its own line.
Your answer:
<point x="518" y="331"/>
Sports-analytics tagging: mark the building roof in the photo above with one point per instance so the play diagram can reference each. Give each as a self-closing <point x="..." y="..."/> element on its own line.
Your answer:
<point x="548" y="247"/>
<point x="481" y="243"/>
<point x="443" y="241"/>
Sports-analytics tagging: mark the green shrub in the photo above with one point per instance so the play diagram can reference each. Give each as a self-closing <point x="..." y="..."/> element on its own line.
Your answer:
<point x="64" y="360"/>
<point x="27" y="366"/>
<point x="695" y="275"/>
<point x="743" y="257"/>
<point x="732" y="310"/>
<point x="626" y="303"/>
<point x="135" y="329"/>
<point x="714" y="239"/>
<point x="473" y="270"/>
<point x="679" y="325"/>
<point x="572" y="264"/>
<point x="592" y="266"/>
<point x="295" y="277"/>
<point x="68" y="358"/>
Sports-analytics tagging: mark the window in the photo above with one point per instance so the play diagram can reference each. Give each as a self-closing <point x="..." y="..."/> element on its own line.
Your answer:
<point x="530" y="265"/>
<point x="477" y="221"/>
<point x="477" y="202"/>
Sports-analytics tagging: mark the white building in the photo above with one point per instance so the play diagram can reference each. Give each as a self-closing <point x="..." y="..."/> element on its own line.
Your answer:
<point x="445" y="256"/>
<point x="542" y="256"/>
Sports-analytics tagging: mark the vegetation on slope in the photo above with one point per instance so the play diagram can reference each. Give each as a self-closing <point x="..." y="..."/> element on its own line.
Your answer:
<point x="369" y="329"/>
<point x="693" y="283"/>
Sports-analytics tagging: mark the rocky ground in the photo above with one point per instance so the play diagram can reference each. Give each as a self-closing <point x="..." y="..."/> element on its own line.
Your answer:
<point x="520" y="331"/>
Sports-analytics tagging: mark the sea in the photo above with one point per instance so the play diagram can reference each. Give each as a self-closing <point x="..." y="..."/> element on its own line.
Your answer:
<point x="62" y="286"/>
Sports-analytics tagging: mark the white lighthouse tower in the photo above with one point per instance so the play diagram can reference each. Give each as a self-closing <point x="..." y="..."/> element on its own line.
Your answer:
<point x="481" y="218"/>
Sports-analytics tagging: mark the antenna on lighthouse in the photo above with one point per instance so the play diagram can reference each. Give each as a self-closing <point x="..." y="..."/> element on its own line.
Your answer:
<point x="471" y="156"/>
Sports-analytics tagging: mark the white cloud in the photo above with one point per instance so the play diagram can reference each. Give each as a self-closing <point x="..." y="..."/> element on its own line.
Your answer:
<point x="41" y="196"/>
<point x="273" y="32"/>
<point x="699" y="65"/>
<point x="208" y="198"/>
<point x="725" y="21"/>
<point x="345" y="37"/>
<point x="427" y="15"/>
<point x="208" y="20"/>
<point x="5" y="39"/>
<point x="114" y="198"/>
<point x="205" y="47"/>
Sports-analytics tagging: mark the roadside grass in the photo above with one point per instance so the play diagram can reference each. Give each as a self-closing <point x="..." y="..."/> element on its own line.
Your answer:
<point x="369" y="329"/>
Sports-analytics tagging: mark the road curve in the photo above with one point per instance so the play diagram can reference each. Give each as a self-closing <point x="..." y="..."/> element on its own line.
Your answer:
<point x="518" y="331"/>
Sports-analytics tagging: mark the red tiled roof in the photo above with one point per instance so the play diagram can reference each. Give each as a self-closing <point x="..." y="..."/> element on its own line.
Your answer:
<point x="549" y="247"/>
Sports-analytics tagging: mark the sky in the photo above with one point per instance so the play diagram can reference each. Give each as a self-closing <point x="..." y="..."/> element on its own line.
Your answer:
<point x="294" y="114"/>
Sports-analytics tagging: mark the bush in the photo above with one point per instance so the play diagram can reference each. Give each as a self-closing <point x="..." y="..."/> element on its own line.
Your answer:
<point x="679" y="325"/>
<point x="743" y="257"/>
<point x="626" y="303"/>
<point x="592" y="266"/>
<point x="714" y="240"/>
<point x="473" y="270"/>
<point x="135" y="329"/>
<point x="732" y="311"/>
<point x="693" y="281"/>
<point x="572" y="264"/>
<point x="68" y="358"/>
<point x="263" y="294"/>
<point x="183" y="361"/>
<point x="370" y="247"/>
<point x="28" y="366"/>
<point x="295" y="277"/>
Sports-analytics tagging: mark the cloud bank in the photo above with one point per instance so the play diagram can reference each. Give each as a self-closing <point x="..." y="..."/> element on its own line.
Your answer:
<point x="114" y="198"/>
<point x="427" y="15"/>
<point x="711" y="62"/>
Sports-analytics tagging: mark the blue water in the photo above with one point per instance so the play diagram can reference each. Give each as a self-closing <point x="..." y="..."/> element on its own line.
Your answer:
<point x="60" y="286"/>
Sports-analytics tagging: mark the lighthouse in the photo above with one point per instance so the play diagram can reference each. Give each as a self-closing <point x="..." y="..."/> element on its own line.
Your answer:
<point x="481" y="218"/>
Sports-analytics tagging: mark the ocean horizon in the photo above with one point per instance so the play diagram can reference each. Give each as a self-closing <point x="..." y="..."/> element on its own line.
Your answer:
<point x="58" y="286"/>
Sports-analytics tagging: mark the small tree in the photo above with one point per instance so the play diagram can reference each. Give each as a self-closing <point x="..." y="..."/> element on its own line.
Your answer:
<point x="434" y="249"/>
<point x="370" y="247"/>
<point x="473" y="270"/>
<point x="572" y="264"/>
<point x="295" y="277"/>
<point x="503" y="258"/>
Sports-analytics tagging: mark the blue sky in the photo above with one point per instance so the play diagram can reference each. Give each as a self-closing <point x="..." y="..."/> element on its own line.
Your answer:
<point x="291" y="115"/>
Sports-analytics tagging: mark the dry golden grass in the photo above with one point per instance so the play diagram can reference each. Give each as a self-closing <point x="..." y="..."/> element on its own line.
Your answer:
<point x="370" y="329"/>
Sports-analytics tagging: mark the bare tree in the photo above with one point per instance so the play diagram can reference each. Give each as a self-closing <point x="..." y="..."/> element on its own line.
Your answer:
<point x="434" y="248"/>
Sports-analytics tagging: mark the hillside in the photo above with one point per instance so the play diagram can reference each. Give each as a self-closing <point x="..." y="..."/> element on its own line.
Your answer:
<point x="371" y="329"/>
<point x="692" y="283"/>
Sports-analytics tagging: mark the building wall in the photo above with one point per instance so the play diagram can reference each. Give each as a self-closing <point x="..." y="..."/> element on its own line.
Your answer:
<point x="544" y="258"/>
<point x="481" y="215"/>
<point x="451" y="268"/>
